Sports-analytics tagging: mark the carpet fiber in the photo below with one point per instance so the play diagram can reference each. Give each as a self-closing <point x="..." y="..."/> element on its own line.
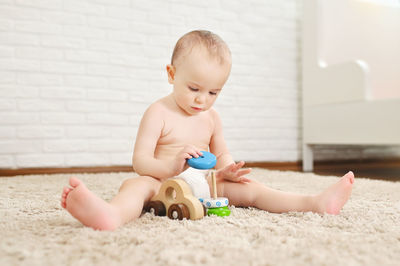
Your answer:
<point x="35" y="230"/>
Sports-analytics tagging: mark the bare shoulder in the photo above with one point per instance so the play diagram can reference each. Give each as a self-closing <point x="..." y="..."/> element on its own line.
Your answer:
<point x="215" y="120"/>
<point x="156" y="110"/>
<point x="214" y="115"/>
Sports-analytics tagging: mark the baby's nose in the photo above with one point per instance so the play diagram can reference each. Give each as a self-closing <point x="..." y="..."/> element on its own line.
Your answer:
<point x="200" y="99"/>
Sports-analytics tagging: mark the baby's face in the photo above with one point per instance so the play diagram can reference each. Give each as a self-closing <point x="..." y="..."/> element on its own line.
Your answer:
<point x="198" y="80"/>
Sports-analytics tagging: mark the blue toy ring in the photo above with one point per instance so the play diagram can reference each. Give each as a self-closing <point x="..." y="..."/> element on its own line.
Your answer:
<point x="207" y="161"/>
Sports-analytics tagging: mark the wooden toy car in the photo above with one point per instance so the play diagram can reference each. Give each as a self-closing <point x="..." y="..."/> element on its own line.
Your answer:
<point x="175" y="199"/>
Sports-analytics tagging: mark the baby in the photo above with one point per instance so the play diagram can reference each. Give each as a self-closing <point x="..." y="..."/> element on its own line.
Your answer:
<point x="180" y="126"/>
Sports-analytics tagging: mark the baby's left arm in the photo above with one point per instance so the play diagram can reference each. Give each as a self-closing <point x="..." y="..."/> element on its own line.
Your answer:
<point x="234" y="173"/>
<point x="226" y="168"/>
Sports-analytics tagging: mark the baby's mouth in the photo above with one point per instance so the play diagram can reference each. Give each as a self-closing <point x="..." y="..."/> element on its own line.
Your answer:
<point x="197" y="108"/>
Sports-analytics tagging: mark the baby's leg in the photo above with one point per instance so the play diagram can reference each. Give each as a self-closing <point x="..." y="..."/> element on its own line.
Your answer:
<point x="94" y="212"/>
<point x="258" y="195"/>
<point x="132" y="196"/>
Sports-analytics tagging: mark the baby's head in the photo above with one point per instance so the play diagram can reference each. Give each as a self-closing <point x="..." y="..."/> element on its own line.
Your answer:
<point x="209" y="42"/>
<point x="200" y="66"/>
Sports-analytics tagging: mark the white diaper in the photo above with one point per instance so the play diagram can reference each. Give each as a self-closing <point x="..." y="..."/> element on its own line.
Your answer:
<point x="197" y="181"/>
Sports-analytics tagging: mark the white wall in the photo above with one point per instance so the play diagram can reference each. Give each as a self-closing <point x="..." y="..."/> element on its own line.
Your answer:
<point x="76" y="76"/>
<point x="366" y="31"/>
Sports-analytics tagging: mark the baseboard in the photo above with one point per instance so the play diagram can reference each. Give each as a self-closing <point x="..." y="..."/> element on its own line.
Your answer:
<point x="284" y="166"/>
<point x="69" y="170"/>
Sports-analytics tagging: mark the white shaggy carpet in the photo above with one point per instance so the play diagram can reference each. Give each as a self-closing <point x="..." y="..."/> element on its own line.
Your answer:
<point x="35" y="230"/>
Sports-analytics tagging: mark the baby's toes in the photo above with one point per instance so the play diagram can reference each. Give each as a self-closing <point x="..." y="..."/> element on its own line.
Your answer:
<point x="63" y="204"/>
<point x="64" y="195"/>
<point x="66" y="190"/>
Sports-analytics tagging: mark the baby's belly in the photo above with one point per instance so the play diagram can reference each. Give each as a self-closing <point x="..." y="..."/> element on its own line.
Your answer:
<point x="169" y="151"/>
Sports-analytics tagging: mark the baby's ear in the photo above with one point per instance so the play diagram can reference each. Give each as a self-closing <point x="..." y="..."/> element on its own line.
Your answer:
<point x="171" y="73"/>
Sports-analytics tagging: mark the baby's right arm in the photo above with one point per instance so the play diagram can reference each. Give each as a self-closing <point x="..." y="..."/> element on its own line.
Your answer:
<point x="144" y="162"/>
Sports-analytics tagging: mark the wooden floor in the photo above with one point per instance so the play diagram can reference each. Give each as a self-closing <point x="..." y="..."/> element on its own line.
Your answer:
<point x="388" y="169"/>
<point x="389" y="174"/>
<point x="374" y="169"/>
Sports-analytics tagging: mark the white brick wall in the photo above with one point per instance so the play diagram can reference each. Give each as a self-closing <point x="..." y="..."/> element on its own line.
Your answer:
<point x="76" y="76"/>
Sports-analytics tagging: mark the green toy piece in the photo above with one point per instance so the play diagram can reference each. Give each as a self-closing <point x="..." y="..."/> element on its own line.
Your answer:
<point x="221" y="211"/>
<point x="216" y="206"/>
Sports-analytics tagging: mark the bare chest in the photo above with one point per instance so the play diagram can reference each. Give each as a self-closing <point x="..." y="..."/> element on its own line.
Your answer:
<point x="179" y="131"/>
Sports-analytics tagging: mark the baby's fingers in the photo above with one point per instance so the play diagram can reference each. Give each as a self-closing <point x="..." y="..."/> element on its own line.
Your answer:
<point x="188" y="155"/>
<point x="243" y="172"/>
<point x="196" y="152"/>
<point x="191" y="152"/>
<point x="238" y="166"/>
<point x="240" y="179"/>
<point x="230" y="168"/>
<point x="244" y="180"/>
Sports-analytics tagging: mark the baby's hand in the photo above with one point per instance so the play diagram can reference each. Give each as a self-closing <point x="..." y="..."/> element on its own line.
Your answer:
<point x="233" y="173"/>
<point x="187" y="152"/>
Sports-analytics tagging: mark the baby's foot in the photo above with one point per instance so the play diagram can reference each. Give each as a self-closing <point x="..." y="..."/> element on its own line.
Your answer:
<point x="89" y="209"/>
<point x="334" y="197"/>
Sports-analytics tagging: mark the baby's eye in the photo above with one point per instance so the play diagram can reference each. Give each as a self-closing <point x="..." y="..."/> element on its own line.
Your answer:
<point x="213" y="93"/>
<point x="193" y="89"/>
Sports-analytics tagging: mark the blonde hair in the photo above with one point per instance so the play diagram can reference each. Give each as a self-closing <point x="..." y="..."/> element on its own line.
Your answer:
<point x="215" y="46"/>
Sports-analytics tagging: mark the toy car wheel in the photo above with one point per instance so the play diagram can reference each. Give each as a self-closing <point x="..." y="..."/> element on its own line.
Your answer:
<point x="178" y="211"/>
<point x="156" y="207"/>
